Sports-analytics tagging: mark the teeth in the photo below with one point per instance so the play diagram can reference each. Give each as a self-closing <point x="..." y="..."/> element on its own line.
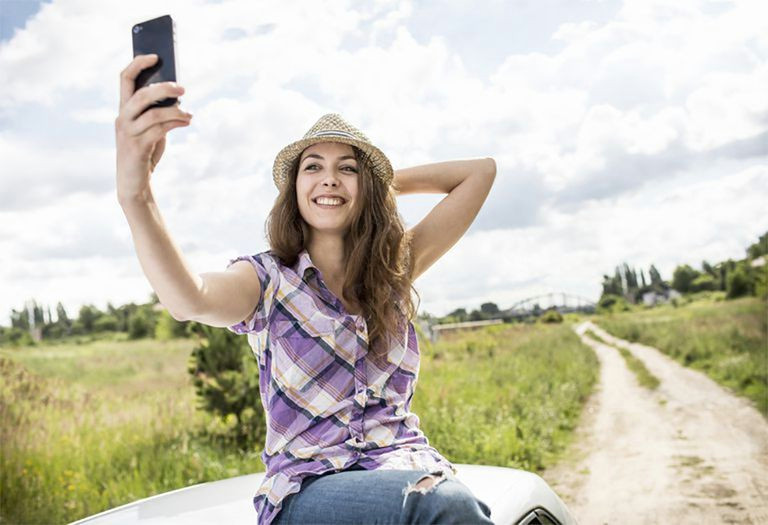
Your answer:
<point x="327" y="201"/>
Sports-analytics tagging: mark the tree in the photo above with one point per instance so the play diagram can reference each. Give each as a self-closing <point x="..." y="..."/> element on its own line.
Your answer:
<point x="61" y="315"/>
<point x="738" y="283"/>
<point x="703" y="282"/>
<point x="551" y="316"/>
<point x="655" y="276"/>
<point x="20" y="319"/>
<point x="683" y="277"/>
<point x="225" y="375"/>
<point x="489" y="308"/>
<point x="476" y="315"/>
<point x="168" y="328"/>
<point x="759" y="248"/>
<point x="138" y="325"/>
<point x="88" y="316"/>
<point x="460" y="314"/>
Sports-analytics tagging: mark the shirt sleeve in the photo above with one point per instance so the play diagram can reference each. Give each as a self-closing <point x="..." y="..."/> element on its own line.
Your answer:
<point x="257" y="321"/>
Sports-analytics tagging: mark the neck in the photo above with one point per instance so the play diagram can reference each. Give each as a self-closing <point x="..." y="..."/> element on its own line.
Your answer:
<point x="327" y="253"/>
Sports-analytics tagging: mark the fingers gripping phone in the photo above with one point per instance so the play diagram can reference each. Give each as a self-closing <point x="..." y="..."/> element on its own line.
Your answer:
<point x="156" y="36"/>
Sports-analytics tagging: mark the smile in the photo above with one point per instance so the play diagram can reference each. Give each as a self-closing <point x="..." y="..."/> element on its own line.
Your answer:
<point x="329" y="203"/>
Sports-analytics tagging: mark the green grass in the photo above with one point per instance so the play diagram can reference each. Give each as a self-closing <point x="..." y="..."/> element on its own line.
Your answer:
<point x="87" y="427"/>
<point x="643" y="375"/>
<point x="509" y="395"/>
<point x="727" y="340"/>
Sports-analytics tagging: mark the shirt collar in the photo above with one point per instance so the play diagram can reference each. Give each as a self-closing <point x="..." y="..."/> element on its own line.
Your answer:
<point x="305" y="263"/>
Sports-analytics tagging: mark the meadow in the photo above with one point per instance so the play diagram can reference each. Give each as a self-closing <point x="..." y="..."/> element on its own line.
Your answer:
<point x="727" y="340"/>
<point x="87" y="427"/>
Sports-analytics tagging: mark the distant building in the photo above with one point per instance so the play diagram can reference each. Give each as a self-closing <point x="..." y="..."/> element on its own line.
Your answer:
<point x="654" y="298"/>
<point x="760" y="261"/>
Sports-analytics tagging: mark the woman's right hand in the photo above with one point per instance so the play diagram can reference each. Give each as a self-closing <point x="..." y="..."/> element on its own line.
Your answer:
<point x="140" y="138"/>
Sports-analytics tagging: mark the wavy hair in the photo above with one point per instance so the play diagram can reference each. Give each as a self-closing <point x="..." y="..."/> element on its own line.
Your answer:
<point x="378" y="267"/>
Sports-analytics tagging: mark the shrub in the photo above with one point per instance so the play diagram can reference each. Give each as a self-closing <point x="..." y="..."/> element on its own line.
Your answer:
<point x="138" y="325"/>
<point x="738" y="283"/>
<point x="551" y="316"/>
<point x="226" y="378"/>
<point x="168" y="328"/>
<point x="105" y="323"/>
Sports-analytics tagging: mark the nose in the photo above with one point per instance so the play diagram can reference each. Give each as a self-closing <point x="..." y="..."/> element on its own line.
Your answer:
<point x="331" y="180"/>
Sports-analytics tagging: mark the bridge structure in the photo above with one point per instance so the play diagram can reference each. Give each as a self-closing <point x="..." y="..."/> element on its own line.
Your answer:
<point x="528" y="308"/>
<point x="561" y="301"/>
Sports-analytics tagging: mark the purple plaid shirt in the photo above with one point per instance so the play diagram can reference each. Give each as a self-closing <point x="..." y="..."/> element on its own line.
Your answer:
<point x="329" y="403"/>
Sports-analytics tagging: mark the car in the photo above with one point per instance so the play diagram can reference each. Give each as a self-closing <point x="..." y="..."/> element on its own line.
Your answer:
<point x="516" y="497"/>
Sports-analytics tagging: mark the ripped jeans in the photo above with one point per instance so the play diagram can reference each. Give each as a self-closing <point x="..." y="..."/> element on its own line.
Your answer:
<point x="359" y="496"/>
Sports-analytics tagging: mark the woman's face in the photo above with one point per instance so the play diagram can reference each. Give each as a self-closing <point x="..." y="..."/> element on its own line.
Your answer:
<point x="327" y="168"/>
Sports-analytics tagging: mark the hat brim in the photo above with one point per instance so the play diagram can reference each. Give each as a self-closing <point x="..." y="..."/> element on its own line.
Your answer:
<point x="284" y="160"/>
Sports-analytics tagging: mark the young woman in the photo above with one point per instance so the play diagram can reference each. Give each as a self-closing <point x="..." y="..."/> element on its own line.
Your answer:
<point x="327" y="311"/>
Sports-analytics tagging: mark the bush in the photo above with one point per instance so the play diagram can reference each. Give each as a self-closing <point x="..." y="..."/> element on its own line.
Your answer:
<point x="738" y="283"/>
<point x="226" y="378"/>
<point x="16" y="337"/>
<point x="105" y="323"/>
<point x="612" y="303"/>
<point x="138" y="325"/>
<point x="702" y="283"/>
<point x="168" y="328"/>
<point x="551" y="316"/>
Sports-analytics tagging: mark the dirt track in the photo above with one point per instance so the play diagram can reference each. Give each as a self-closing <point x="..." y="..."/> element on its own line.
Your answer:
<point x="688" y="452"/>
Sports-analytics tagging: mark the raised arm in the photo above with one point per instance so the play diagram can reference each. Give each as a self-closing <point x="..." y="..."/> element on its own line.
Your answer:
<point x="219" y="298"/>
<point x="467" y="183"/>
<point x="215" y="298"/>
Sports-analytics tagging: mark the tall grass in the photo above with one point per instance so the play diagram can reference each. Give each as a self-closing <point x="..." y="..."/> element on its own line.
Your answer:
<point x="727" y="340"/>
<point x="86" y="429"/>
<point x="509" y="395"/>
<point x="89" y="427"/>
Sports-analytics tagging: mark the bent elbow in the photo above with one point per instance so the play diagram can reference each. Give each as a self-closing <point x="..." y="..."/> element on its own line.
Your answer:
<point x="491" y="165"/>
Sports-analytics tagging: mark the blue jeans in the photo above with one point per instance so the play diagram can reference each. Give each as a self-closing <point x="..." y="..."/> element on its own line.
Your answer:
<point x="359" y="496"/>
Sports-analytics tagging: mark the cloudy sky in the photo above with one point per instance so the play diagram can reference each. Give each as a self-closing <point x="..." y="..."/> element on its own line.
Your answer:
<point x="623" y="131"/>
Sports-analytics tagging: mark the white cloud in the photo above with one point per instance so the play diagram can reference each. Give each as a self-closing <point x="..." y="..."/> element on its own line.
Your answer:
<point x="590" y="133"/>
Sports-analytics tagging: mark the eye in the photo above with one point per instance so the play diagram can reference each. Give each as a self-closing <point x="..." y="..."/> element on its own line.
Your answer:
<point x="309" y="166"/>
<point x="351" y="167"/>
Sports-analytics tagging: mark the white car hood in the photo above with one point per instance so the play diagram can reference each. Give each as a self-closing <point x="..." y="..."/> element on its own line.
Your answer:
<point x="510" y="493"/>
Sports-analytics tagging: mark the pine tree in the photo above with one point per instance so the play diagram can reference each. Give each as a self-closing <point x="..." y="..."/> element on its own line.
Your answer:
<point x="225" y="375"/>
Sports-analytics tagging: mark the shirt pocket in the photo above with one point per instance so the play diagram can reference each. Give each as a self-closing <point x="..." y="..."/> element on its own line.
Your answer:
<point x="302" y="351"/>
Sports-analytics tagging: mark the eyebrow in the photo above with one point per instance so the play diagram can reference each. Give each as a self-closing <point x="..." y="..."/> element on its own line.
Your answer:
<point x="316" y="156"/>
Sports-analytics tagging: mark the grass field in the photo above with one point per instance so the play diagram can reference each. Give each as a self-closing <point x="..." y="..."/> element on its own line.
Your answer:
<point x="89" y="427"/>
<point x="727" y="340"/>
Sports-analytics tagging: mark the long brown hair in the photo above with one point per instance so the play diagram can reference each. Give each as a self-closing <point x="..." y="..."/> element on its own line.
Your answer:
<point x="378" y="266"/>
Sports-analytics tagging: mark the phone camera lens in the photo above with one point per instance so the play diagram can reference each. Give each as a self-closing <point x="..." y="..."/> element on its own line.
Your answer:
<point x="136" y="29"/>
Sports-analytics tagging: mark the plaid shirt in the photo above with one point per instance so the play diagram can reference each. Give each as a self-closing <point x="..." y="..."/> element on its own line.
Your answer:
<point x="329" y="403"/>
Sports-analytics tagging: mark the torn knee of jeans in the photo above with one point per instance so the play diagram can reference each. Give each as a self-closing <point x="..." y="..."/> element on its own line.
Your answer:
<point x="426" y="483"/>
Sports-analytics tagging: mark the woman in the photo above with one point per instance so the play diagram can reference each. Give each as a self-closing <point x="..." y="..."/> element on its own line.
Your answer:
<point x="327" y="311"/>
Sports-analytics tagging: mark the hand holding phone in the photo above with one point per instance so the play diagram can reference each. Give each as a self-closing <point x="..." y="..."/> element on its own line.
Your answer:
<point x="156" y="36"/>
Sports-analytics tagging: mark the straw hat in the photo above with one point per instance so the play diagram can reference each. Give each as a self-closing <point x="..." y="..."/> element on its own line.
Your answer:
<point x="331" y="128"/>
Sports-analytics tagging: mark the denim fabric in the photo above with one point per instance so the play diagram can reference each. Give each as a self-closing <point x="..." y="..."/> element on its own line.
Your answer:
<point x="359" y="496"/>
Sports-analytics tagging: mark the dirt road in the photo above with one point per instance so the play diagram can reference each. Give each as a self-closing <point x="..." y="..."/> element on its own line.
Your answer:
<point x="688" y="452"/>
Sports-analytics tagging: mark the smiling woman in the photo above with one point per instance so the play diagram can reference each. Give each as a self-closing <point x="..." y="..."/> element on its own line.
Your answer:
<point x="328" y="313"/>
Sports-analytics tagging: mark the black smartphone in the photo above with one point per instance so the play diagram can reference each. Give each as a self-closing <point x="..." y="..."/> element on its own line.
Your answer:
<point x="156" y="36"/>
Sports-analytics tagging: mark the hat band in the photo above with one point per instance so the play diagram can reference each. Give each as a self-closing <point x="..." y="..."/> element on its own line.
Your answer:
<point x="335" y="132"/>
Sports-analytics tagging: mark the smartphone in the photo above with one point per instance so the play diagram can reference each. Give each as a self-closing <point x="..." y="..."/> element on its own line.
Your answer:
<point x="156" y="36"/>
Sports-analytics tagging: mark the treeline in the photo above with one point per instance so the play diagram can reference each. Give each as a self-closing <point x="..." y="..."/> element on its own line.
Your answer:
<point x="735" y="278"/>
<point x="460" y="315"/>
<point x="34" y="323"/>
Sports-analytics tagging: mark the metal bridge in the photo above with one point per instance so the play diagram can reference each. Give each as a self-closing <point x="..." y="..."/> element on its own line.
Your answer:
<point x="561" y="301"/>
<point x="528" y="308"/>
